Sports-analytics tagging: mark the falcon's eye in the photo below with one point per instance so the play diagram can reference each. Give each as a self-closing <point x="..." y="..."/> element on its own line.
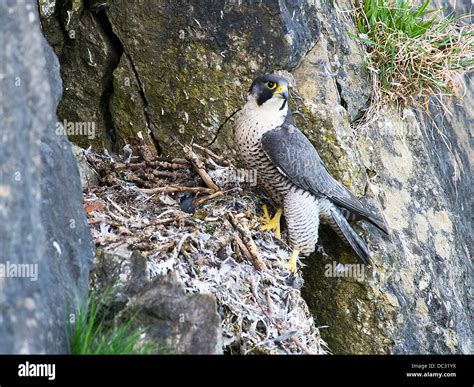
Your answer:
<point x="271" y="85"/>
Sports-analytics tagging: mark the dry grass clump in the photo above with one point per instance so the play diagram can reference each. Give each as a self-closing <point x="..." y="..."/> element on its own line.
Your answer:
<point x="414" y="53"/>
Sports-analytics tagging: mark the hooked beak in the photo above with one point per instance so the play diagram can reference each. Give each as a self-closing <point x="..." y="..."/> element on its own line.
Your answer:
<point x="282" y="92"/>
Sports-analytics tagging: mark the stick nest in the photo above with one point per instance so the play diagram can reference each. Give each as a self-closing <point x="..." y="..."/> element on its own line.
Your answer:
<point x="183" y="216"/>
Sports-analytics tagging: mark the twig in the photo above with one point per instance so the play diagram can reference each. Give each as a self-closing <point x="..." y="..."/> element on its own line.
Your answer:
<point x="161" y="222"/>
<point x="180" y="245"/>
<point x="210" y="197"/>
<point x="149" y="175"/>
<point x="174" y="175"/>
<point x="175" y="160"/>
<point x="166" y="246"/>
<point x="269" y="313"/>
<point x="250" y="245"/>
<point x="255" y="295"/>
<point x="118" y="208"/>
<point x="143" y="246"/>
<point x="174" y="164"/>
<point x="131" y="166"/>
<point x="166" y="212"/>
<point x="245" y="251"/>
<point x="175" y="188"/>
<point x="209" y="152"/>
<point x="138" y="180"/>
<point x="118" y="218"/>
<point x="300" y="345"/>
<point x="152" y="248"/>
<point x="269" y="302"/>
<point x="199" y="167"/>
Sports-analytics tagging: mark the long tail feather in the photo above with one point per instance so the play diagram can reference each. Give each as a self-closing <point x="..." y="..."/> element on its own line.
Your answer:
<point x="379" y="222"/>
<point x="344" y="230"/>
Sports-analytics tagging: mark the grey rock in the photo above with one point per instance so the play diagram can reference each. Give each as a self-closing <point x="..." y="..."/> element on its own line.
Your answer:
<point x="54" y="74"/>
<point x="89" y="176"/>
<point x="179" y="322"/>
<point x="185" y="323"/>
<point x="123" y="271"/>
<point x="42" y="223"/>
<point x="346" y="62"/>
<point x="88" y="56"/>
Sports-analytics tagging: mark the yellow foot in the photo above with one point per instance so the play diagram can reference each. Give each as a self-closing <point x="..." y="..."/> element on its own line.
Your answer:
<point x="291" y="264"/>
<point x="271" y="223"/>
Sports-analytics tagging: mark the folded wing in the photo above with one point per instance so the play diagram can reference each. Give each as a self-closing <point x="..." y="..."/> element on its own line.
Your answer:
<point x="296" y="158"/>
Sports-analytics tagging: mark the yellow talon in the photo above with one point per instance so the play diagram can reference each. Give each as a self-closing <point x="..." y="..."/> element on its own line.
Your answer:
<point x="291" y="264"/>
<point x="269" y="223"/>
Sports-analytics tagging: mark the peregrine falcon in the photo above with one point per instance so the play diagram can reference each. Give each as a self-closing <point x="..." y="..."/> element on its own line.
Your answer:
<point x="290" y="170"/>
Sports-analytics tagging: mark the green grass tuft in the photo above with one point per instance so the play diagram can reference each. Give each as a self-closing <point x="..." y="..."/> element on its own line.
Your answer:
<point x="413" y="52"/>
<point x="92" y="334"/>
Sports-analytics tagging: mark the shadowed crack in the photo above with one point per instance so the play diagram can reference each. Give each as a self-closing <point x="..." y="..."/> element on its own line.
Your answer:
<point x="109" y="89"/>
<point x="339" y="92"/>
<point x="141" y="92"/>
<point x="119" y="47"/>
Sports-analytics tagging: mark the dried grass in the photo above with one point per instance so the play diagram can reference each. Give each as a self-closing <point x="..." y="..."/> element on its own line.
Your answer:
<point x="413" y="53"/>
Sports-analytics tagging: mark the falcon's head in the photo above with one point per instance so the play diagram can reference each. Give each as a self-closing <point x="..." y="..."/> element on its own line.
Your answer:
<point x="269" y="91"/>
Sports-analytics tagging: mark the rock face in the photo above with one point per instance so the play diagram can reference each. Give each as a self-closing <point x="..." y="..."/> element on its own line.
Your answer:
<point x="46" y="249"/>
<point x="88" y="175"/>
<point x="177" y="322"/>
<point x="172" y="80"/>
<point x="186" y="323"/>
<point x="175" y="74"/>
<point x="416" y="300"/>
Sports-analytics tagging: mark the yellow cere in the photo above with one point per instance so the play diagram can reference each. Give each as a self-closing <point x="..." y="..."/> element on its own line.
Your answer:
<point x="280" y="89"/>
